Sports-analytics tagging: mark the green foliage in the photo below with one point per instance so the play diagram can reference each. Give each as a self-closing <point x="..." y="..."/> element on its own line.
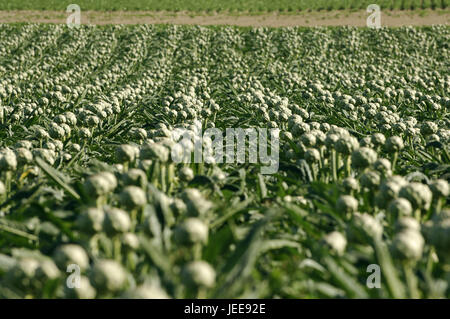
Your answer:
<point x="86" y="176"/>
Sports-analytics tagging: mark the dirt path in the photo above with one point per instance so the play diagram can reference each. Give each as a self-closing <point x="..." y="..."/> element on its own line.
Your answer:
<point x="328" y="18"/>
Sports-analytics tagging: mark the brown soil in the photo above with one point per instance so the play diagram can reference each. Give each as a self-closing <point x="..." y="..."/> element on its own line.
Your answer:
<point x="330" y="18"/>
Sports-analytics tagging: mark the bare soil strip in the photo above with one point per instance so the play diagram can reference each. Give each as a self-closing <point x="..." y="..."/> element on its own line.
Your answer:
<point x="329" y="18"/>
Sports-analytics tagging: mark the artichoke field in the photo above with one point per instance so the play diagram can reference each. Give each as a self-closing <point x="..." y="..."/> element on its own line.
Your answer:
<point x="93" y="206"/>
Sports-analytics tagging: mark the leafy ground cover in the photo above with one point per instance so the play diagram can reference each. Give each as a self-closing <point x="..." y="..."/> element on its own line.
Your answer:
<point x="86" y="176"/>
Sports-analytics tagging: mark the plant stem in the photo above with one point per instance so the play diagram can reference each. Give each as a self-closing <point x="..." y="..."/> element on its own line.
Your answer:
<point x="347" y="166"/>
<point x="333" y="165"/>
<point x="170" y="176"/>
<point x="394" y="161"/>
<point x="117" y="246"/>
<point x="8" y="182"/>
<point x="411" y="281"/>
<point x="163" y="177"/>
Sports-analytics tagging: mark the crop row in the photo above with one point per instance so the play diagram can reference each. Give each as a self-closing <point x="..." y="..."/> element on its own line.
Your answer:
<point x="219" y="6"/>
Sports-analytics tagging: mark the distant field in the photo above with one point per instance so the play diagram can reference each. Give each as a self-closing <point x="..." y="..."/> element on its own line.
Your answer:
<point x="220" y="5"/>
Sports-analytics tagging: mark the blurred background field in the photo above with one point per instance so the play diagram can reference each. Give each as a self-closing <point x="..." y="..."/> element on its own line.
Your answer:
<point x="255" y="6"/>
